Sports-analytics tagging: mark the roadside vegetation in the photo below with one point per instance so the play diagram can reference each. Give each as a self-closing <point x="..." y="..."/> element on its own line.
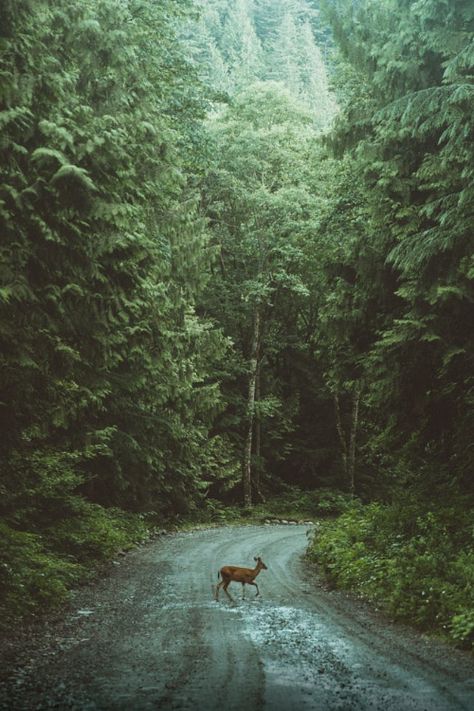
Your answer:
<point x="38" y="570"/>
<point x="414" y="559"/>
<point x="293" y="504"/>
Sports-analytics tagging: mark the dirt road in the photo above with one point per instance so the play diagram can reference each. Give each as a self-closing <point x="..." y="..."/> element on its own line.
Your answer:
<point x="150" y="636"/>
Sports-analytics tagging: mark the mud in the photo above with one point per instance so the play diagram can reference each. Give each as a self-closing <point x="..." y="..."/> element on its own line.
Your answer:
<point x="150" y="636"/>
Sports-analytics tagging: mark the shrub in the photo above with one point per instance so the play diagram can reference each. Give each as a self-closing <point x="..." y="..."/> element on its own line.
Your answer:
<point x="462" y="628"/>
<point x="31" y="576"/>
<point x="94" y="534"/>
<point x="38" y="569"/>
<point x="416" y="563"/>
<point x="296" y="503"/>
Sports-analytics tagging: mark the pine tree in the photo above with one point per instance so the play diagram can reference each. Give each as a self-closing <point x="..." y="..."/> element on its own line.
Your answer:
<point x="314" y="79"/>
<point x="408" y="118"/>
<point x="104" y="360"/>
<point x="283" y="60"/>
<point x="241" y="47"/>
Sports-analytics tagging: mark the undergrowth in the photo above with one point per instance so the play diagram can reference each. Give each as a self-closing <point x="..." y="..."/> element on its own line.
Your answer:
<point x="416" y="562"/>
<point x="293" y="505"/>
<point x="38" y="569"/>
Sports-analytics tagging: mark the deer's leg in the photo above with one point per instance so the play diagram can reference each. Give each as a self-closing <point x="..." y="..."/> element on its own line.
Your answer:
<point x="255" y="584"/>
<point x="243" y="590"/>
<point x="220" y="585"/>
<point x="226" y="585"/>
<point x="217" y="590"/>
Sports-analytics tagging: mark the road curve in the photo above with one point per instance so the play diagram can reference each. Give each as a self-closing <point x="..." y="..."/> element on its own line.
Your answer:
<point x="151" y="636"/>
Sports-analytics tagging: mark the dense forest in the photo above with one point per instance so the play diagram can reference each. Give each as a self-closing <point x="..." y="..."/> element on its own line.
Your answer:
<point x="237" y="262"/>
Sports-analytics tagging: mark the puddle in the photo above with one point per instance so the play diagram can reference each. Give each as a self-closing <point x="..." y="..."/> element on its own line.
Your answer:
<point x="301" y="662"/>
<point x="211" y="605"/>
<point x="305" y="633"/>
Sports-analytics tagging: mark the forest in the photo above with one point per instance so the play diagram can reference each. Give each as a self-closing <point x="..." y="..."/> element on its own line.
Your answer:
<point x="237" y="276"/>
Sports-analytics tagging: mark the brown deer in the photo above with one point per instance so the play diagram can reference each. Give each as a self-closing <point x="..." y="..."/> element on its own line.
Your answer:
<point x="246" y="576"/>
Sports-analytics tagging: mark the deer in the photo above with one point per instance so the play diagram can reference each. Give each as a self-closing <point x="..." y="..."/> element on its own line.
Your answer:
<point x="246" y="576"/>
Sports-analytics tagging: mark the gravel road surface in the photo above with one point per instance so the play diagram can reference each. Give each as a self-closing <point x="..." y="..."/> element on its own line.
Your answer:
<point x="149" y="635"/>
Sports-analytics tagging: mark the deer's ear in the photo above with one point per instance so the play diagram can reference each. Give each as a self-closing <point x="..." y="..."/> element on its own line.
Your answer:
<point x="255" y="558"/>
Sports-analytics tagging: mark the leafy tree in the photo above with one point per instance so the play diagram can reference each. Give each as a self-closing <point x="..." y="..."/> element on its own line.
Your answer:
<point x="258" y="202"/>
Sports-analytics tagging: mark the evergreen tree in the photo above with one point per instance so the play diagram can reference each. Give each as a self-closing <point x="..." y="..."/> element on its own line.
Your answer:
<point x="236" y="43"/>
<point x="314" y="79"/>
<point x="241" y="48"/>
<point x="271" y="14"/>
<point x="408" y="117"/>
<point x="283" y="60"/>
<point x="105" y="364"/>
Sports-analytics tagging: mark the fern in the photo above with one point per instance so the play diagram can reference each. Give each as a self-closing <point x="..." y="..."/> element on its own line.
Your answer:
<point x="74" y="174"/>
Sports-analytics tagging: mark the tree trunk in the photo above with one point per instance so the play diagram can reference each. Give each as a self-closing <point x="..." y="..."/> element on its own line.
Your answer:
<point x="340" y="432"/>
<point x="353" y="436"/>
<point x="246" y="463"/>
<point x="258" y="439"/>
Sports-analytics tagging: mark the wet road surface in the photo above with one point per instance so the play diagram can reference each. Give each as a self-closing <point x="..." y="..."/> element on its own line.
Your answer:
<point x="151" y="636"/>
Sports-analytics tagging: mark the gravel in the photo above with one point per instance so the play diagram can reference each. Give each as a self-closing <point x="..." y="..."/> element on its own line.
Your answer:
<point x="149" y="635"/>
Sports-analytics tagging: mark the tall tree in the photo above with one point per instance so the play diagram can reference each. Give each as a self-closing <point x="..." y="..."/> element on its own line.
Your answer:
<point x="104" y="362"/>
<point x="258" y="202"/>
<point x="283" y="60"/>
<point x="314" y="78"/>
<point x="408" y="119"/>
<point x="240" y="45"/>
<point x="237" y="43"/>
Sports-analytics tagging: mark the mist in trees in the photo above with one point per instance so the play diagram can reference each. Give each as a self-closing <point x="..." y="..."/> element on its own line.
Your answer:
<point x="236" y="43"/>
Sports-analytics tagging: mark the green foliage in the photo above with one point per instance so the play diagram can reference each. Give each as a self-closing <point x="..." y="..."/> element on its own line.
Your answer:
<point x="108" y="393"/>
<point x="258" y="197"/>
<point x="462" y="627"/>
<point x="298" y="504"/>
<point x="140" y="237"/>
<point x="292" y="503"/>
<point x="39" y="569"/>
<point x="95" y="534"/>
<point x="103" y="252"/>
<point x="31" y="576"/>
<point x="406" y="296"/>
<point x="328" y="502"/>
<point x="415" y="562"/>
